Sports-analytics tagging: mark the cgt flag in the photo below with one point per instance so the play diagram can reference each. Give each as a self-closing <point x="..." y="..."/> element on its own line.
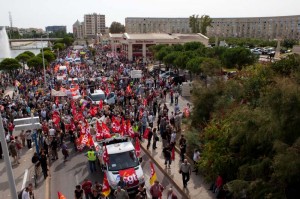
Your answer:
<point x="105" y="186"/>
<point x="60" y="196"/>
<point x="153" y="176"/>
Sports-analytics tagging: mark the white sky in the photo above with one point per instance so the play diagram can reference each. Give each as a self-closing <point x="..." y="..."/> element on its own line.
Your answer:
<point x="42" y="13"/>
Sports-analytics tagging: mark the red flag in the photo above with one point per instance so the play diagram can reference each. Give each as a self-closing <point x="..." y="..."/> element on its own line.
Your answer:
<point x="128" y="89"/>
<point x="173" y="153"/>
<point x="130" y="131"/>
<point x="145" y="102"/>
<point x="93" y="110"/>
<point x="105" y="155"/>
<point x="60" y="196"/>
<point x="107" y="90"/>
<point x="55" y="117"/>
<point x="101" y="104"/>
<point x="90" y="142"/>
<point x="146" y="133"/>
<point x="99" y="133"/>
<point x="105" y="131"/>
<point x="137" y="147"/>
<point x="105" y="186"/>
<point x="123" y="127"/>
<point x="115" y="125"/>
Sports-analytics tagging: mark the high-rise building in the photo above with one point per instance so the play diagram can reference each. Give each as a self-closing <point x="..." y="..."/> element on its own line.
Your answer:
<point x="54" y="29"/>
<point x="253" y="27"/>
<point x="94" y="24"/>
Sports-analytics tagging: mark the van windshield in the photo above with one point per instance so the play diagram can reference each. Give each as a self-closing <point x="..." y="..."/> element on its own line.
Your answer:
<point x="122" y="161"/>
<point x="97" y="97"/>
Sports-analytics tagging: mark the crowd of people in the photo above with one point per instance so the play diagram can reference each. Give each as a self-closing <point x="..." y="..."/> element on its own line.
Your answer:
<point x="141" y="101"/>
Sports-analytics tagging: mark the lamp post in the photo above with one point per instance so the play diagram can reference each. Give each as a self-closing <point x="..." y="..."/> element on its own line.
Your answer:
<point x="10" y="175"/>
<point x="45" y="81"/>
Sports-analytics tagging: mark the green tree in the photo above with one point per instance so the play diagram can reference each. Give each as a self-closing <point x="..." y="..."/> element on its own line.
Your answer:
<point x="238" y="58"/>
<point x="194" y="23"/>
<point x="67" y="40"/>
<point x="58" y="46"/>
<point x="48" y="55"/>
<point x="169" y="59"/>
<point x="23" y="58"/>
<point x="192" y="46"/>
<point x="194" y="65"/>
<point x="9" y="64"/>
<point x="31" y="54"/>
<point x="205" y="21"/>
<point x="287" y="65"/>
<point x="36" y="62"/>
<point x="116" y="27"/>
<point x="289" y="43"/>
<point x="45" y="49"/>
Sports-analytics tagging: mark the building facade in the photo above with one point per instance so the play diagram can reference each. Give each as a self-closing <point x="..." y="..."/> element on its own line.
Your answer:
<point x="253" y="27"/>
<point x="135" y="46"/>
<point x="94" y="24"/>
<point x="51" y="29"/>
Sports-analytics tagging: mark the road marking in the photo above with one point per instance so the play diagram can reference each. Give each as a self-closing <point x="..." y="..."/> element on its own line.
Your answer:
<point x="76" y="177"/>
<point x="24" y="179"/>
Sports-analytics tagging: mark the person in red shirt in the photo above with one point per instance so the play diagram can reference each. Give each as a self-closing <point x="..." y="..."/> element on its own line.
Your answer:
<point x="10" y="128"/>
<point x="87" y="188"/>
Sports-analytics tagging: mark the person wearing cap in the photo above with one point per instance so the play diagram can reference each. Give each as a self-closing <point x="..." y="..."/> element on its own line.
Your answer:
<point x="171" y="194"/>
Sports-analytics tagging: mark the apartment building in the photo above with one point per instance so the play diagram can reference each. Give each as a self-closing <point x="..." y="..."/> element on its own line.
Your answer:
<point x="92" y="26"/>
<point x="56" y="29"/>
<point x="254" y="27"/>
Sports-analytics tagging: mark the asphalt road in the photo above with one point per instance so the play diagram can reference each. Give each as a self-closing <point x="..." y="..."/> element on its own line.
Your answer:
<point x="66" y="175"/>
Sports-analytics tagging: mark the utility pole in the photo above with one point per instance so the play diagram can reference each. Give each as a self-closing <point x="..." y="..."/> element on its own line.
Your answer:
<point x="10" y="22"/>
<point x="10" y="174"/>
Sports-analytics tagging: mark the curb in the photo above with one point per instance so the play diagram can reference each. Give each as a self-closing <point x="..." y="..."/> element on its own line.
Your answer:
<point x="185" y="196"/>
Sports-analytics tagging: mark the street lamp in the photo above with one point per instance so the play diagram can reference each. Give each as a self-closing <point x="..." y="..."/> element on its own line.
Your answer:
<point x="45" y="81"/>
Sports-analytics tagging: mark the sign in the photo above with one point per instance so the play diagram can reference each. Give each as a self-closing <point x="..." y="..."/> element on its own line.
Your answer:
<point x="129" y="177"/>
<point x="136" y="74"/>
<point x="144" y="41"/>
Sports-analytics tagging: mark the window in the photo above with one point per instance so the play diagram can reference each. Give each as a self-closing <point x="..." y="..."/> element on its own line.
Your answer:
<point x="122" y="161"/>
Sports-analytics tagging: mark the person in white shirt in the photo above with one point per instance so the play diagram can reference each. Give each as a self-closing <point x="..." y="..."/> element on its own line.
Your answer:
<point x="196" y="158"/>
<point x="27" y="192"/>
<point x="150" y="120"/>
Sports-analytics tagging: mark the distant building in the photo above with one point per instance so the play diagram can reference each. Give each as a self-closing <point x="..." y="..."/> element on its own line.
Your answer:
<point x="92" y="26"/>
<point x="53" y="29"/>
<point x="250" y="27"/>
<point x="135" y="46"/>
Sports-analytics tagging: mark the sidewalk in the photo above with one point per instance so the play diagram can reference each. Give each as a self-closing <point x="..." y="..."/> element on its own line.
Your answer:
<point x="196" y="187"/>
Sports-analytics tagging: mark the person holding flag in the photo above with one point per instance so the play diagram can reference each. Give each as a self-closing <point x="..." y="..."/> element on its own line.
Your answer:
<point x="156" y="190"/>
<point x="105" y="186"/>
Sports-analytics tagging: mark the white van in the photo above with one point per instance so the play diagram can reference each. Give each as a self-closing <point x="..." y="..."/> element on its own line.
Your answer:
<point x="111" y="98"/>
<point x="73" y="80"/>
<point x="63" y="69"/>
<point x="96" y="96"/>
<point x="77" y="60"/>
<point x="119" y="149"/>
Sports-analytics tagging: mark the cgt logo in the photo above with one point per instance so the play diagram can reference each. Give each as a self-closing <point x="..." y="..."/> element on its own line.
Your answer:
<point x="129" y="176"/>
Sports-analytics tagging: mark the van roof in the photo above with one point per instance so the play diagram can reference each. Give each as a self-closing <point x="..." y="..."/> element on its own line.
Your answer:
<point x="119" y="147"/>
<point x="97" y="92"/>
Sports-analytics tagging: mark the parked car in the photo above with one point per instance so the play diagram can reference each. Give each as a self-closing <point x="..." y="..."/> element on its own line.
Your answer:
<point x="167" y="74"/>
<point x="178" y="79"/>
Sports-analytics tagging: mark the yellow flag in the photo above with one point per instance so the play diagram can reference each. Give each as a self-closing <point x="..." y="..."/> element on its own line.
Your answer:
<point x="153" y="176"/>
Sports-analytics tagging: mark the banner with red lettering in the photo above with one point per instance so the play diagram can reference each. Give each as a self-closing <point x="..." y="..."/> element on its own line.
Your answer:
<point x="115" y="125"/>
<point x="129" y="177"/>
<point x="130" y="131"/>
<point x="93" y="111"/>
<point x="105" y="131"/>
<point x="99" y="133"/>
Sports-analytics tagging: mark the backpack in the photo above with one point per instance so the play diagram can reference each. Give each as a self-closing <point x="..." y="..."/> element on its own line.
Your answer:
<point x="20" y="194"/>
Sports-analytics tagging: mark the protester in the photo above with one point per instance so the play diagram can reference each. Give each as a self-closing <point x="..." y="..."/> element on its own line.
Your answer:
<point x="78" y="193"/>
<point x="91" y="156"/>
<point x="121" y="193"/>
<point x="156" y="190"/>
<point x="171" y="194"/>
<point x="87" y="188"/>
<point x="185" y="170"/>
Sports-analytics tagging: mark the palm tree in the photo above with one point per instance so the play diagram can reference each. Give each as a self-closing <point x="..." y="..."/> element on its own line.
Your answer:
<point x="205" y="21"/>
<point x="194" y="23"/>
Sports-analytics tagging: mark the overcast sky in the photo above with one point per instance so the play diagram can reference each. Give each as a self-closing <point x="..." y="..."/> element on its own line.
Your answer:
<point x="42" y="13"/>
